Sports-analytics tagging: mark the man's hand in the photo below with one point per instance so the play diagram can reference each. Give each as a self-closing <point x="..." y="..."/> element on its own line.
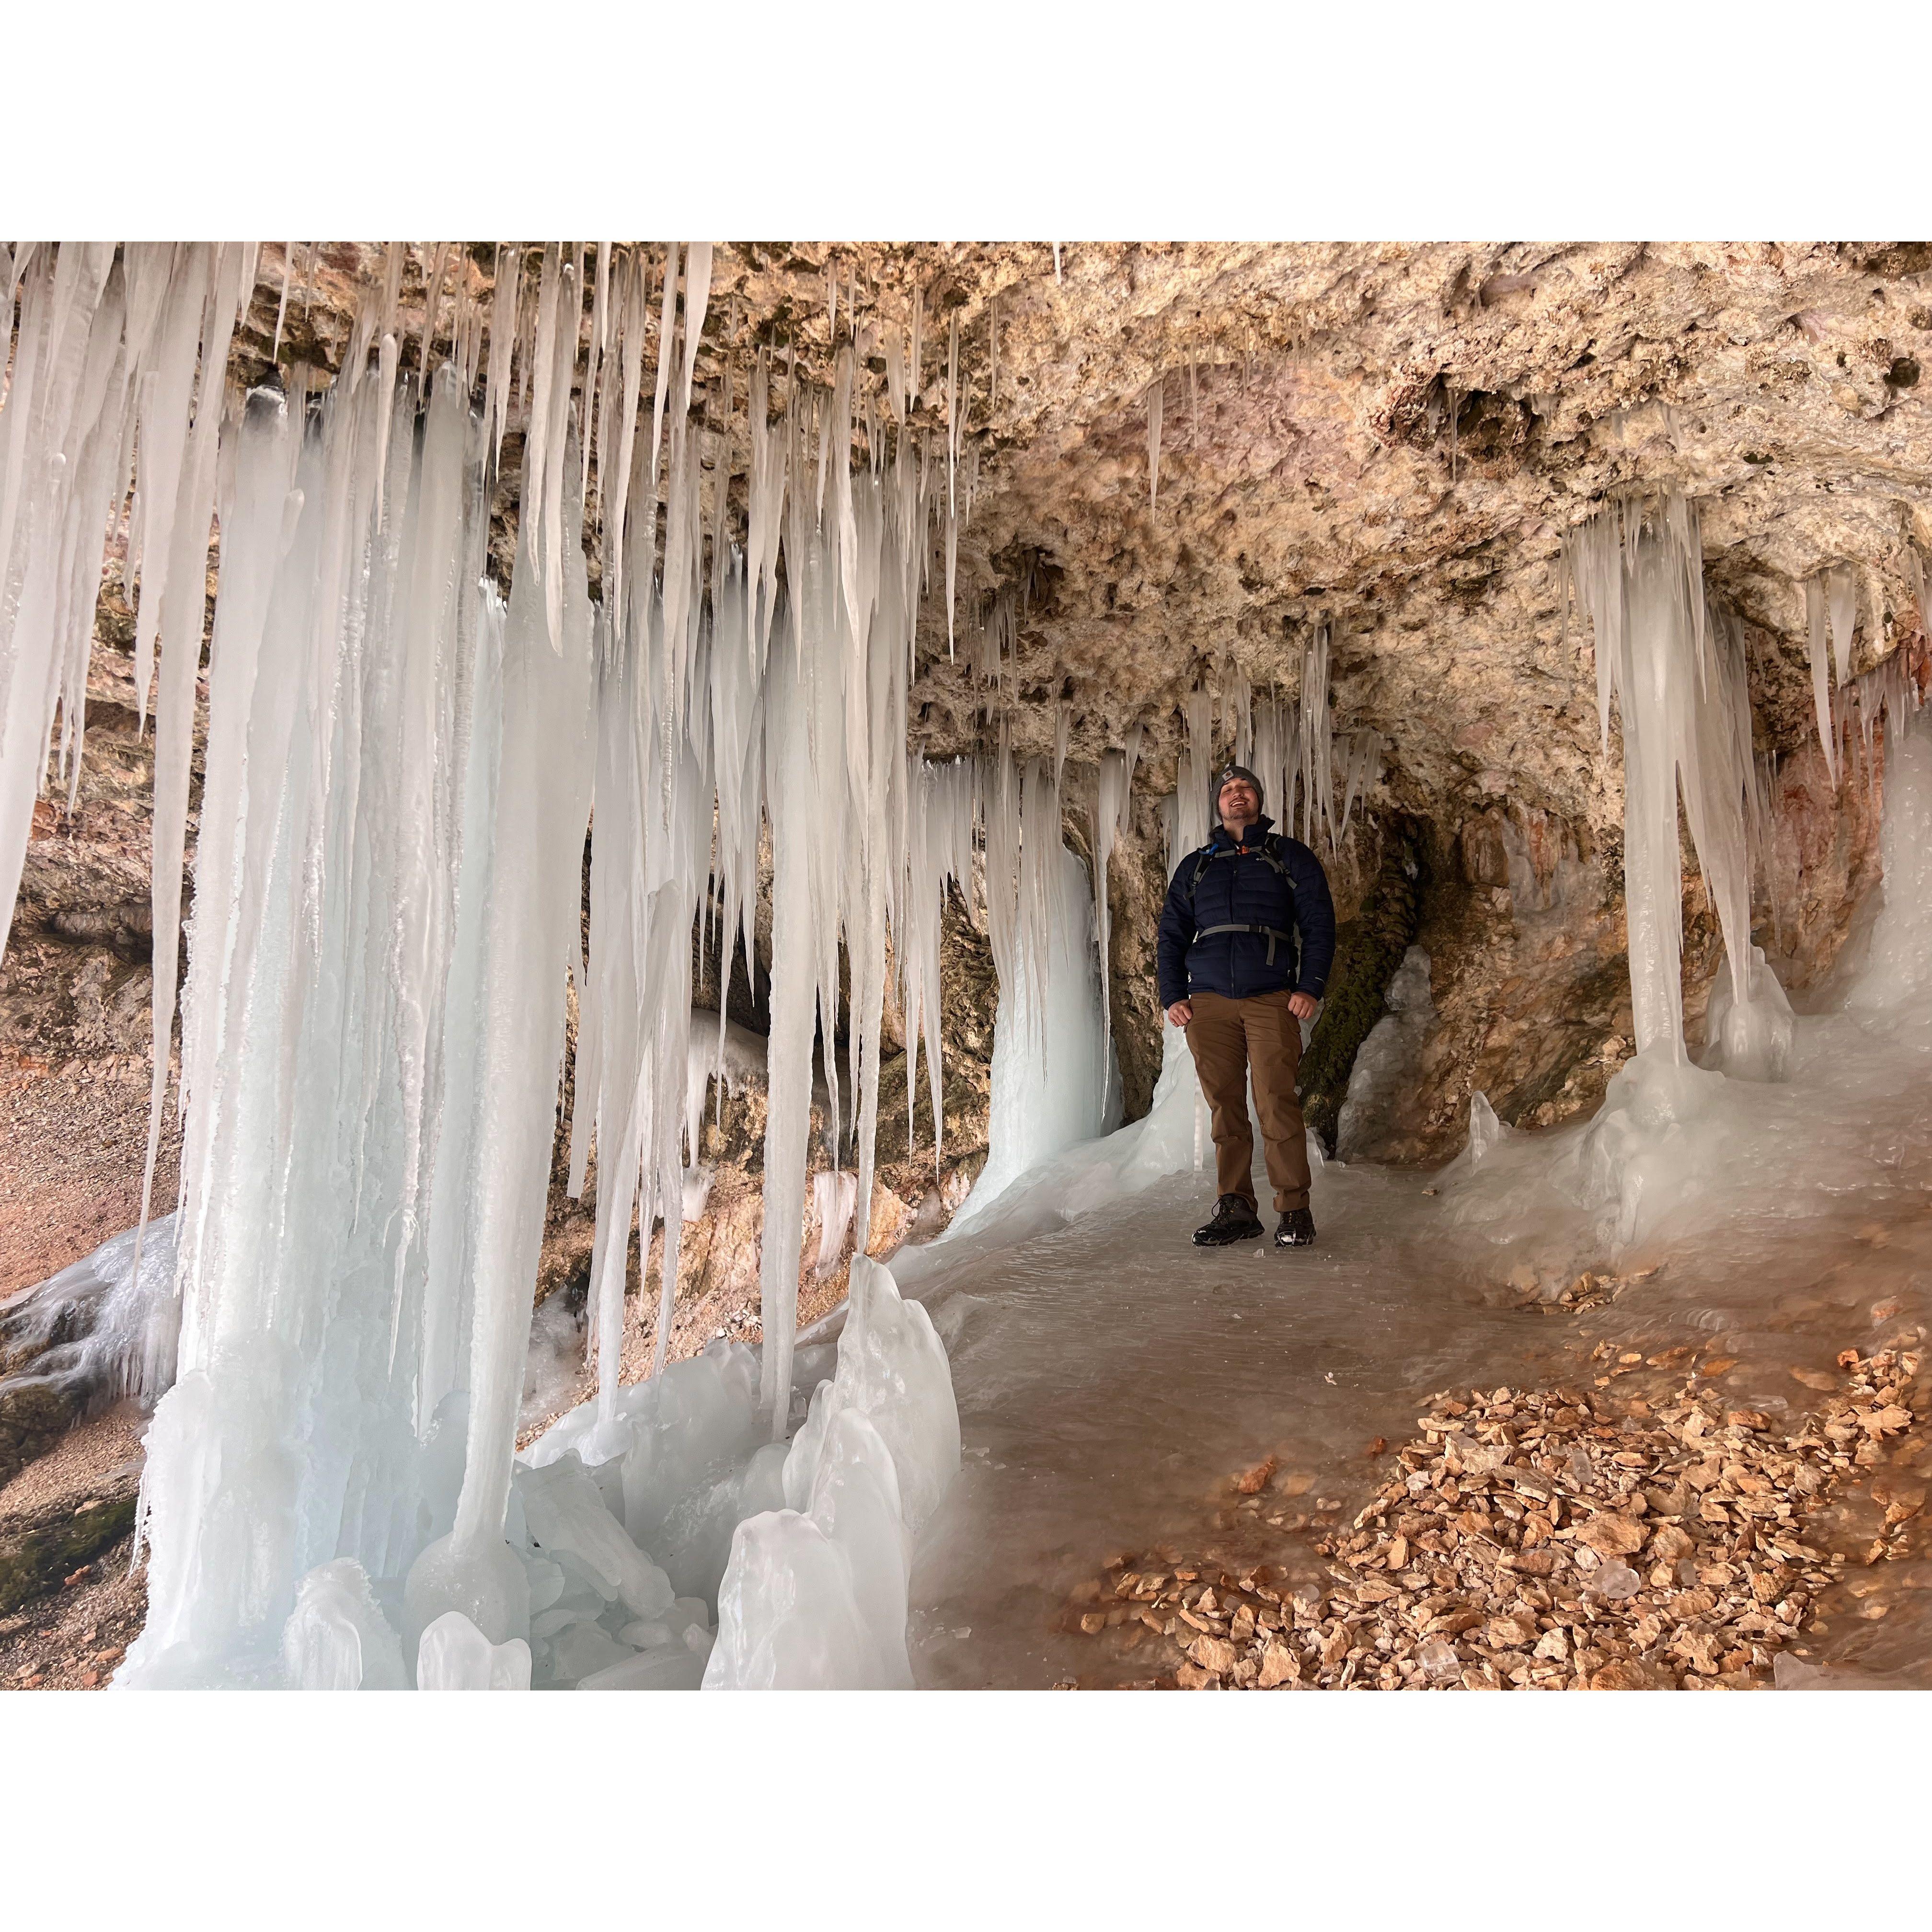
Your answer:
<point x="1180" y="1013"/>
<point x="1301" y="1005"/>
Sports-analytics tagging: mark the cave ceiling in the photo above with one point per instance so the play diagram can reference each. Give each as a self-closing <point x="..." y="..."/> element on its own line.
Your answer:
<point x="1388" y="439"/>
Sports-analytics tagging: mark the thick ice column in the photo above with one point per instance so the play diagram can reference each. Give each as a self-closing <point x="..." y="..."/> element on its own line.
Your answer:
<point x="1679" y="679"/>
<point x="1051" y="1072"/>
<point x="542" y="804"/>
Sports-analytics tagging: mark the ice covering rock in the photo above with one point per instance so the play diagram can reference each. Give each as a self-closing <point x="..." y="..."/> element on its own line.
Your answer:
<point x="834" y="1195"/>
<point x="336" y="1638"/>
<point x="1898" y="964"/>
<point x="455" y="1655"/>
<point x="566" y="1511"/>
<point x="814" y="1596"/>
<point x="1387" y="1061"/>
<point x="100" y="1328"/>
<point x="892" y="1368"/>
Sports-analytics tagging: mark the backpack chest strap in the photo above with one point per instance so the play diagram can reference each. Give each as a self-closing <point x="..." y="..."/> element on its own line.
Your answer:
<point x="1274" y="932"/>
<point x="1265" y="853"/>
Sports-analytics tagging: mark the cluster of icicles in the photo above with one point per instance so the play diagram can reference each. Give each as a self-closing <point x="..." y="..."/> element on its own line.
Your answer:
<point x="399" y="771"/>
<point x="400" y="767"/>
<point x="1673" y="661"/>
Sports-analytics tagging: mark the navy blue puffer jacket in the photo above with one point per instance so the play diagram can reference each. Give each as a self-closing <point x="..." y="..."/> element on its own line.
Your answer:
<point x="1239" y="887"/>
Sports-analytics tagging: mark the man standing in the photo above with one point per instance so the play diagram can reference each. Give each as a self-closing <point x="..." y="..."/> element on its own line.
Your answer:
<point x="1247" y="937"/>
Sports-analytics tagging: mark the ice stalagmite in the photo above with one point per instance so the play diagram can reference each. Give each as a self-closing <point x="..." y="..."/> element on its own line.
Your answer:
<point x="814" y="1596"/>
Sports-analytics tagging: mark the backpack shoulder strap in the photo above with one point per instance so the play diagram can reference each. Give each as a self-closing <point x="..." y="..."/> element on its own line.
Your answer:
<point x="1274" y="850"/>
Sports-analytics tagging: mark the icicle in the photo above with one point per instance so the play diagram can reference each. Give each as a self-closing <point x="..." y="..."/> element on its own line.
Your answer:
<point x="697" y="300"/>
<point x="432" y="303"/>
<point x="1051" y="1076"/>
<point x="592" y="365"/>
<point x="667" y="321"/>
<point x="1362" y="772"/>
<point x="282" y="307"/>
<point x="502" y="343"/>
<point x="1841" y="601"/>
<point x="65" y="419"/>
<point x="1112" y="809"/>
<point x="1194" y="818"/>
<point x="916" y="359"/>
<point x="1639" y="575"/>
<point x="896" y="383"/>
<point x="1821" y="676"/>
<point x="617" y="495"/>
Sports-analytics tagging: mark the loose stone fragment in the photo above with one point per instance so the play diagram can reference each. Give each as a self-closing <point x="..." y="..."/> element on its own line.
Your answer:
<point x="1611" y="1535"/>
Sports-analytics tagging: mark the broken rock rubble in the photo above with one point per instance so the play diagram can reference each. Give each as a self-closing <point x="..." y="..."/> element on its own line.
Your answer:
<point x="1546" y="1539"/>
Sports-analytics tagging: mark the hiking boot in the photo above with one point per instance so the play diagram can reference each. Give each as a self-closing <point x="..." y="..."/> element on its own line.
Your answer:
<point x="1234" y="1220"/>
<point x="1297" y="1229"/>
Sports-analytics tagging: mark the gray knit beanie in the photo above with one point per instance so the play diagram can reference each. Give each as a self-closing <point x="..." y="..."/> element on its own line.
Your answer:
<point x="1221" y="778"/>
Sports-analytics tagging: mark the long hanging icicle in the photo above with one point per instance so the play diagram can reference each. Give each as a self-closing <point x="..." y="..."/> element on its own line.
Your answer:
<point x="1841" y="601"/>
<point x="1821" y="673"/>
<point x="1113" y="806"/>
<point x="1680" y="685"/>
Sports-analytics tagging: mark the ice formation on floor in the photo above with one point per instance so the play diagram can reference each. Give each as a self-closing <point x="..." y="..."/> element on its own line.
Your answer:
<point x="814" y="1596"/>
<point x="1388" y="1061"/>
<point x="1672" y="1139"/>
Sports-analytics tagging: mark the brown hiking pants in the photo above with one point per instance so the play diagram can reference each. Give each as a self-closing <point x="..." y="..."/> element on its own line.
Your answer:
<point x="1228" y="1037"/>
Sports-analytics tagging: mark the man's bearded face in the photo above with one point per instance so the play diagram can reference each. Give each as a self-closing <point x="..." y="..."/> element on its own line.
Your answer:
<point x="1239" y="803"/>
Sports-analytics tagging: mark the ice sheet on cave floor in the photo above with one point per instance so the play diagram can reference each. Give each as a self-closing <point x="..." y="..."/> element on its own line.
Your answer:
<point x="1109" y="1375"/>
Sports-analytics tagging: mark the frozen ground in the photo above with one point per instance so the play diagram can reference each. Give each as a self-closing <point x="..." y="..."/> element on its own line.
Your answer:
<point x="1109" y="1375"/>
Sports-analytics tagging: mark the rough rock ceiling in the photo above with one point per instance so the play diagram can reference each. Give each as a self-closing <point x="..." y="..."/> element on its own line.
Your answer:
<point x="1388" y="438"/>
